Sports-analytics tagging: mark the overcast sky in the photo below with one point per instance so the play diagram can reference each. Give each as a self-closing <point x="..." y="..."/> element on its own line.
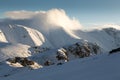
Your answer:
<point x="87" y="11"/>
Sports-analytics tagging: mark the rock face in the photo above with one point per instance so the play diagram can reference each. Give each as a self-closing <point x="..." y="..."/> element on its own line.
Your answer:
<point x="77" y="50"/>
<point x="67" y="53"/>
<point x="56" y="57"/>
<point x="62" y="56"/>
<point x="114" y="51"/>
<point x="48" y="63"/>
<point x="23" y="61"/>
<point x="83" y="49"/>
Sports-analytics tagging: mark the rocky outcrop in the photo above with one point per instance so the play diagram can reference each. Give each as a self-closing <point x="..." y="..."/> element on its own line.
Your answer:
<point x="77" y="50"/>
<point x="62" y="56"/>
<point x="67" y="53"/>
<point x="48" y="63"/>
<point x="114" y="51"/>
<point x="83" y="49"/>
<point x="23" y="62"/>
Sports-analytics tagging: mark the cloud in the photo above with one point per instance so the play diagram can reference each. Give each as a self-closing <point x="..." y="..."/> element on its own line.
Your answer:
<point x="112" y="25"/>
<point x="100" y="26"/>
<point x="53" y="17"/>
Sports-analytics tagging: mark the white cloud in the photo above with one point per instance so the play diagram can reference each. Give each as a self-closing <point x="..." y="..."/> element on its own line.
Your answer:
<point x="112" y="25"/>
<point x="102" y="25"/>
<point x="53" y="17"/>
<point x="22" y="14"/>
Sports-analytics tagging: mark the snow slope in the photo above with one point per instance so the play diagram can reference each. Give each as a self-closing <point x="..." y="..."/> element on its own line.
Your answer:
<point x="100" y="37"/>
<point x="8" y="50"/>
<point x="21" y="34"/>
<point x="100" y="67"/>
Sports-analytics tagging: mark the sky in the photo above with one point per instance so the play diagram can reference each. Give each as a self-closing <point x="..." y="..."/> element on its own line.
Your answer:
<point x="86" y="11"/>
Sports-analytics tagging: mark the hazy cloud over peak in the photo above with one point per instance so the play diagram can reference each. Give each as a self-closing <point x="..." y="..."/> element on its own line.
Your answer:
<point x="53" y="17"/>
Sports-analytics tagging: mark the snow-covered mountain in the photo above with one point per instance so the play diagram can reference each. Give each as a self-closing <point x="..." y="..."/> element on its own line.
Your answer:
<point x="41" y="39"/>
<point x="14" y="33"/>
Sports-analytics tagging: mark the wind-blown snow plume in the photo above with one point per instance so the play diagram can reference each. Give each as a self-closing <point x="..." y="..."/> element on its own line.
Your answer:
<point x="53" y="17"/>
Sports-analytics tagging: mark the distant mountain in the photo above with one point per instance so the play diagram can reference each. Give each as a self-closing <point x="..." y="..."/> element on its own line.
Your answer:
<point x="30" y="33"/>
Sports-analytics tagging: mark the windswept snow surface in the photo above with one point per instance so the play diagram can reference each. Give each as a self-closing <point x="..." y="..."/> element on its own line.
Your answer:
<point x="100" y="67"/>
<point x="13" y="50"/>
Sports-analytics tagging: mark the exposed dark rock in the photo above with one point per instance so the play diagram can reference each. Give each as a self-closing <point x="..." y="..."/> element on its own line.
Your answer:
<point x="61" y="57"/>
<point x="22" y="60"/>
<point x="6" y="75"/>
<point x="59" y="63"/>
<point x="48" y="63"/>
<point x="114" y="51"/>
<point x="83" y="49"/>
<point x="62" y="54"/>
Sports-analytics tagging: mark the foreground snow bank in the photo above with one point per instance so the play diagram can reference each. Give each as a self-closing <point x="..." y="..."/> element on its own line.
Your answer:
<point x="100" y="67"/>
